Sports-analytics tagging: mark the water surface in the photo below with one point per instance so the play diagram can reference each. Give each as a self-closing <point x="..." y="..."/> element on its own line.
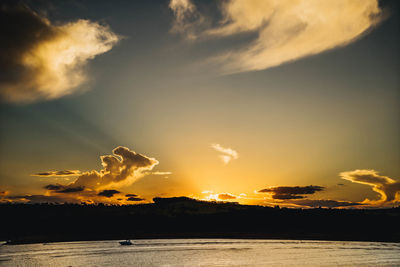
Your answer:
<point x="203" y="252"/>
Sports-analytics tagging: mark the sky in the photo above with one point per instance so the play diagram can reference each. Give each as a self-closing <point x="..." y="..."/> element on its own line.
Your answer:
<point x="290" y="103"/>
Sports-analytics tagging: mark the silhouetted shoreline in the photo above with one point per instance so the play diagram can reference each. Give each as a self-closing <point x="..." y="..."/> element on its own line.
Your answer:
<point x="188" y="218"/>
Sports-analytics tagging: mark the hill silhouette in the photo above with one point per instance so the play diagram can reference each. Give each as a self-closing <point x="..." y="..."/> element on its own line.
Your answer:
<point x="182" y="217"/>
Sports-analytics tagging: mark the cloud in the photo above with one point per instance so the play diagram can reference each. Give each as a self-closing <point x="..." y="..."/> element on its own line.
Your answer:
<point x="4" y="193"/>
<point x="135" y="199"/>
<point x="291" y="192"/>
<point x="44" y="199"/>
<point x="58" y="173"/>
<point x="326" y="203"/>
<point x="187" y="18"/>
<point x="285" y="30"/>
<point x="108" y="193"/>
<point x="41" y="60"/>
<point x="161" y="173"/>
<point x="64" y="189"/>
<point x="120" y="169"/>
<point x="388" y="188"/>
<point x="218" y="196"/>
<point x="286" y="196"/>
<point x="226" y="196"/>
<point x="228" y="153"/>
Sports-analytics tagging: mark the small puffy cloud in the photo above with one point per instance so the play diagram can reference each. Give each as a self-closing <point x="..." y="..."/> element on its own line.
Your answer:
<point x="226" y="196"/>
<point x="41" y="60"/>
<point x="291" y="192"/>
<point x="228" y="153"/>
<point x="285" y="30"/>
<point x="388" y="188"/>
<point x="131" y="195"/>
<point x="219" y="196"/>
<point x="108" y="193"/>
<point x="58" y="173"/>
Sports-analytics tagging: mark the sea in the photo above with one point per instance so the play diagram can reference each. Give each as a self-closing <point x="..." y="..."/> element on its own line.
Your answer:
<point x="203" y="252"/>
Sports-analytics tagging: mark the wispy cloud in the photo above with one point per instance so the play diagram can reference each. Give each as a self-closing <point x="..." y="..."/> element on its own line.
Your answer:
<point x="58" y="173"/>
<point x="228" y="153"/>
<point x="285" y="30"/>
<point x="388" y="188"/>
<point x="187" y="18"/>
<point x="326" y="203"/>
<point x="41" y="60"/>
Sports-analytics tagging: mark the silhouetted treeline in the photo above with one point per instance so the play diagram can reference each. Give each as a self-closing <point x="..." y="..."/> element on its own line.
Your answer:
<point x="188" y="218"/>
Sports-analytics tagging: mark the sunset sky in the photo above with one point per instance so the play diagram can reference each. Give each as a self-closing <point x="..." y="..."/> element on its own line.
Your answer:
<point x="293" y="103"/>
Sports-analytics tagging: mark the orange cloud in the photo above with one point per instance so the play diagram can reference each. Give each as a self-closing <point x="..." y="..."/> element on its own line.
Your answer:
<point x="388" y="189"/>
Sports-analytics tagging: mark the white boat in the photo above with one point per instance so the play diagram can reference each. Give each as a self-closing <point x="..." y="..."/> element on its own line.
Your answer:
<point x="126" y="243"/>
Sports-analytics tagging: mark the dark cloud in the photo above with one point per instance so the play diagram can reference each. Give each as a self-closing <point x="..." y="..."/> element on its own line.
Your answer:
<point x="58" y="173"/>
<point x="64" y="189"/>
<point x="326" y="203"/>
<point x="294" y="190"/>
<point x="291" y="192"/>
<point x="131" y="195"/>
<point x="71" y="189"/>
<point x="286" y="196"/>
<point x="22" y="29"/>
<point x="30" y="45"/>
<point x="43" y="199"/>
<point x="108" y="193"/>
<point x="135" y="199"/>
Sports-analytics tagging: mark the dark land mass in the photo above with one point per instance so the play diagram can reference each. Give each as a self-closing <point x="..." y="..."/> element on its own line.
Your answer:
<point x="188" y="218"/>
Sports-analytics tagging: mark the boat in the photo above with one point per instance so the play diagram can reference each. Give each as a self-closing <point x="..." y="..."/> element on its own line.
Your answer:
<point x="126" y="243"/>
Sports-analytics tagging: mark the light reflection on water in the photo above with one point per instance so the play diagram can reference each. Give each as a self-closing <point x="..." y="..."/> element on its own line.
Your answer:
<point x="203" y="252"/>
